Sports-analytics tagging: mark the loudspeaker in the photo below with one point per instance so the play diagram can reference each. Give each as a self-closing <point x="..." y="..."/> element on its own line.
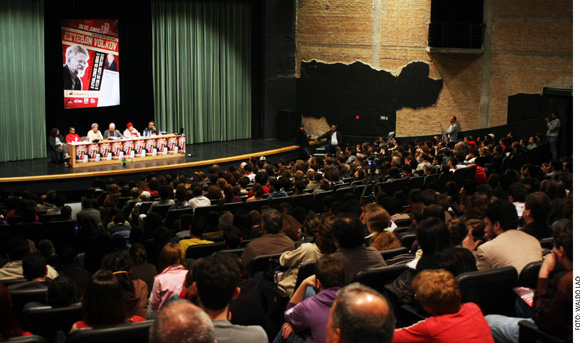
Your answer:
<point x="287" y="122"/>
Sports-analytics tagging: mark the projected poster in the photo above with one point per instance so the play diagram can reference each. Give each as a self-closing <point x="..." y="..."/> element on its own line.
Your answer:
<point x="90" y="55"/>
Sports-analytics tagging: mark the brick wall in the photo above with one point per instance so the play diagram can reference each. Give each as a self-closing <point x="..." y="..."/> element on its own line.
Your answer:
<point x="531" y="49"/>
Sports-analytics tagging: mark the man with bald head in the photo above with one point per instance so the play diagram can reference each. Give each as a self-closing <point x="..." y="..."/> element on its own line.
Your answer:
<point x="360" y="314"/>
<point x="112" y="132"/>
<point x="181" y="321"/>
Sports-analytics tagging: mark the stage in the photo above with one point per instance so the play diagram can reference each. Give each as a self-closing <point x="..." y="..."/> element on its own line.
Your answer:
<point x="39" y="175"/>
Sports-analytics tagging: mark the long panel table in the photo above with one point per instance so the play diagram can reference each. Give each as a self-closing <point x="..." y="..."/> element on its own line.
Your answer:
<point x="85" y="154"/>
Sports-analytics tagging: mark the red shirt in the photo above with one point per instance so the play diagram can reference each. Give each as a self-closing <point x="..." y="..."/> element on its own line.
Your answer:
<point x="467" y="325"/>
<point x="72" y="138"/>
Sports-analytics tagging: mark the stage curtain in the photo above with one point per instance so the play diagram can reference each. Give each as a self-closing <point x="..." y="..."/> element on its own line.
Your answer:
<point x="23" y="133"/>
<point x="202" y="68"/>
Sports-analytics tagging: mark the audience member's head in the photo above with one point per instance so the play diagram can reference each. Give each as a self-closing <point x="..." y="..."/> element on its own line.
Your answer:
<point x="272" y="221"/>
<point x="360" y="314"/>
<point x="182" y="322"/>
<point x="376" y="217"/>
<point x="437" y="291"/>
<point x="34" y="267"/>
<point x="101" y="300"/>
<point x="232" y="237"/>
<point x="18" y="247"/>
<point x="61" y="292"/>
<point x="500" y="216"/>
<point x="458" y="230"/>
<point x="217" y="282"/>
<point x="537" y="207"/>
<point x="170" y="255"/>
<point x="348" y="232"/>
<point x="329" y="272"/>
<point x="563" y="239"/>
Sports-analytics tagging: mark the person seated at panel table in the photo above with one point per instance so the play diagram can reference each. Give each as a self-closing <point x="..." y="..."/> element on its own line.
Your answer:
<point x="57" y="143"/>
<point x="131" y="131"/>
<point x="150" y="130"/>
<point x="112" y="132"/>
<point x="94" y="133"/>
<point x="72" y="137"/>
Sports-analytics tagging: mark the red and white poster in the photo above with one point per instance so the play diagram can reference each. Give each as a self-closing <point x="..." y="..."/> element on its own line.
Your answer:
<point x="90" y="54"/>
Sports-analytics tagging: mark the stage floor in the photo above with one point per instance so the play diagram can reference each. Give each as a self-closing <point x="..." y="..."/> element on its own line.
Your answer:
<point x="196" y="155"/>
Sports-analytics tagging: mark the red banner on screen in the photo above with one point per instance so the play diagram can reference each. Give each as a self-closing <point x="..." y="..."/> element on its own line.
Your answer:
<point x="90" y="53"/>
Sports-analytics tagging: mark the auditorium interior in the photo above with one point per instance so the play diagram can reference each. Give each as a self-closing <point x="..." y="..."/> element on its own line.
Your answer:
<point x="238" y="78"/>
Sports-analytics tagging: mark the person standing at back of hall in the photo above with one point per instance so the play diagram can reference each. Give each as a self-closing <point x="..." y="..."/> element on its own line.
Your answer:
<point x="334" y="139"/>
<point x="553" y="133"/>
<point x="303" y="141"/>
<point x="452" y="131"/>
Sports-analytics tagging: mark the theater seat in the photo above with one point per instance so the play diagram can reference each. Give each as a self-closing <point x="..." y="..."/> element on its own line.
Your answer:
<point x="261" y="262"/>
<point x="491" y="289"/>
<point x="25" y="339"/>
<point x="391" y="253"/>
<point x="122" y="333"/>
<point x="21" y="297"/>
<point x="47" y="321"/>
<point x="304" y="270"/>
<point x="529" y="333"/>
<point x="203" y="250"/>
<point x="529" y="275"/>
<point x="376" y="278"/>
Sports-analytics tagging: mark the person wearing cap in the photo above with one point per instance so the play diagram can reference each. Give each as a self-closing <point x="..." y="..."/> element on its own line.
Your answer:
<point x="131" y="131"/>
<point x="94" y="134"/>
<point x="112" y="132"/>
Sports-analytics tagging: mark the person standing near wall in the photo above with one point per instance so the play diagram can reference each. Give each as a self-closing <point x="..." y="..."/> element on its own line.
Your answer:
<point x="553" y="133"/>
<point x="452" y="132"/>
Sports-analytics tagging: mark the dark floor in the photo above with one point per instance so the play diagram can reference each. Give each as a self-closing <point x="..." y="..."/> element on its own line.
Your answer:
<point x="194" y="152"/>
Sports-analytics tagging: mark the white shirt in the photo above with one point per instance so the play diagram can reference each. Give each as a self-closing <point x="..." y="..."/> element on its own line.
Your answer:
<point x="333" y="139"/>
<point x="91" y="135"/>
<point x="200" y="201"/>
<point x="131" y="133"/>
